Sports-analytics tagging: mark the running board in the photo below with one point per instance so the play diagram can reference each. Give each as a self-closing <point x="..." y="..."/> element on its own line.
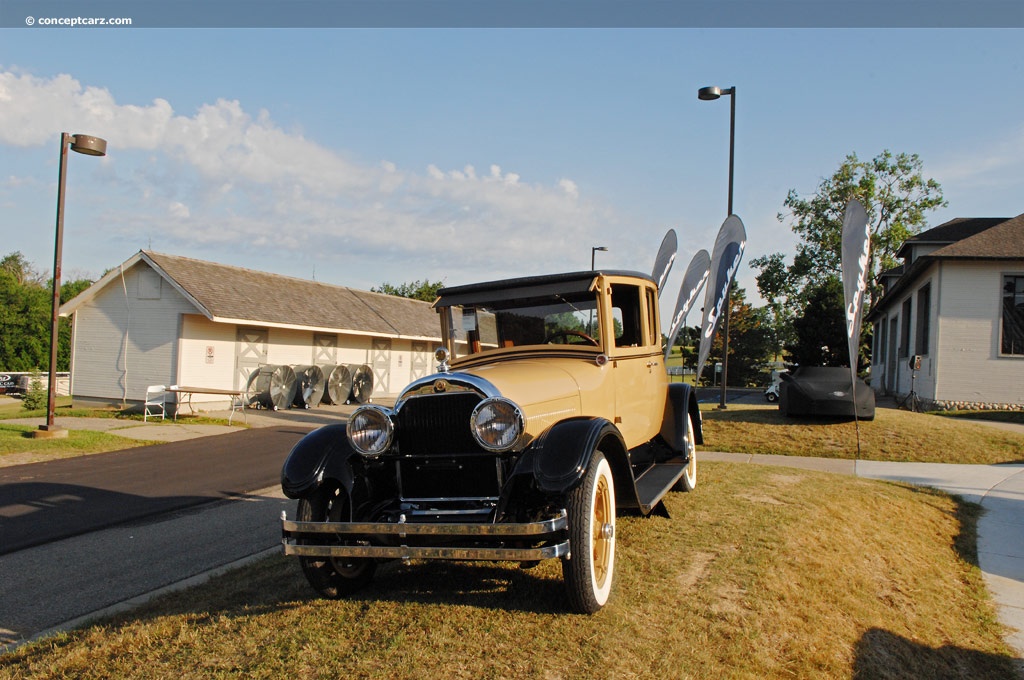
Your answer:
<point x="657" y="480"/>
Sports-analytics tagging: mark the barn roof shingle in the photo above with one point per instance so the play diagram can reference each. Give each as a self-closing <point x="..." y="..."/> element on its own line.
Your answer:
<point x="234" y="294"/>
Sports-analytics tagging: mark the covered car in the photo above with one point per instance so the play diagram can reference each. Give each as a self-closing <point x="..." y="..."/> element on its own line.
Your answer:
<point x="825" y="391"/>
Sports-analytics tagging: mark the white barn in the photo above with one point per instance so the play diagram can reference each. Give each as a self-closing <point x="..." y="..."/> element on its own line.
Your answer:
<point x="957" y="303"/>
<point x="164" y="319"/>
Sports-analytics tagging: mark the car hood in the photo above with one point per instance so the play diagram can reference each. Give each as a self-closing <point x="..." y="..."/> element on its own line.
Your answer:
<point x="547" y="390"/>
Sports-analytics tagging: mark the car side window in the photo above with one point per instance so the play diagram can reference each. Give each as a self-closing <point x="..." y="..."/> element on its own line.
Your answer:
<point x="626" y="315"/>
<point x="653" y="336"/>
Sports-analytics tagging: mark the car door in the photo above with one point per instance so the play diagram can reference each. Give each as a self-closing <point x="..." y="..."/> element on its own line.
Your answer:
<point x="637" y="362"/>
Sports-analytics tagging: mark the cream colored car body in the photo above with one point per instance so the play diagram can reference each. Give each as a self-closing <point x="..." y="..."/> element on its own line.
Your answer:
<point x="627" y="384"/>
<point x="550" y="413"/>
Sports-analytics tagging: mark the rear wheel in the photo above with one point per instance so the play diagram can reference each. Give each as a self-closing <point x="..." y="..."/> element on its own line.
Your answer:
<point x="688" y="482"/>
<point x="588" y="570"/>
<point x="332" y="577"/>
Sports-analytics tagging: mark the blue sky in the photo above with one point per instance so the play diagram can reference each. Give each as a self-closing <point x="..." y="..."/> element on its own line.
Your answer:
<point x="362" y="156"/>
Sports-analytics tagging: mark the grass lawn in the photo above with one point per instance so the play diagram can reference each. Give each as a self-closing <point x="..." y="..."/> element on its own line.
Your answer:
<point x="760" y="573"/>
<point x="893" y="436"/>
<point x="17" y="446"/>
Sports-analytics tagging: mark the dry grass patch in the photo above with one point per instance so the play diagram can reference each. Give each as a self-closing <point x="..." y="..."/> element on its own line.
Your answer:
<point x="893" y="436"/>
<point x="757" y="575"/>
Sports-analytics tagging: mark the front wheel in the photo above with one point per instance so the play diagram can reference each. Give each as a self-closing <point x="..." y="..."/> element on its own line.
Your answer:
<point x="332" y="577"/>
<point x="688" y="482"/>
<point x="588" y="570"/>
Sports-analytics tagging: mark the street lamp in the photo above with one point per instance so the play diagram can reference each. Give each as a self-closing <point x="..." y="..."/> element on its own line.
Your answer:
<point x="90" y="146"/>
<point x="593" y="251"/>
<point x="712" y="93"/>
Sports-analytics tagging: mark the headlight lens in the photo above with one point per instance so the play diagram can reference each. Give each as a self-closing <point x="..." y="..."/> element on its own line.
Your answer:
<point x="497" y="424"/>
<point x="370" y="430"/>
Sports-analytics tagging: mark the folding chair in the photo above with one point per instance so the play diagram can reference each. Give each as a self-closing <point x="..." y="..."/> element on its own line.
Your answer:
<point x="156" y="398"/>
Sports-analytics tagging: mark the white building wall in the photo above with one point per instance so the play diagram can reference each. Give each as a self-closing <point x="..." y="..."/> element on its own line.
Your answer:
<point x="206" y="357"/>
<point x="286" y="346"/>
<point x="971" y="368"/>
<point x="126" y="338"/>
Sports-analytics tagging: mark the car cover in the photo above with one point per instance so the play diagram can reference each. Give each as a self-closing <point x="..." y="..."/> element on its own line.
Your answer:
<point x="824" y="391"/>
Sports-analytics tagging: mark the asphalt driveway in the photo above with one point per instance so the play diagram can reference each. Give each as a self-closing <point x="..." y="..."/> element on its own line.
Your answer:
<point x="45" y="502"/>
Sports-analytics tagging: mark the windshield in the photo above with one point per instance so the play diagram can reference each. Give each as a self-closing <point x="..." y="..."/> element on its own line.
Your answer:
<point x="570" y="319"/>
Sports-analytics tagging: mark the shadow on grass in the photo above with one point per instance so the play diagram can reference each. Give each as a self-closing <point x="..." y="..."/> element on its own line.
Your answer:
<point x="1015" y="417"/>
<point x="881" y="654"/>
<point x="771" y="416"/>
<point x="467" y="584"/>
<point x="966" y="514"/>
<point x="277" y="584"/>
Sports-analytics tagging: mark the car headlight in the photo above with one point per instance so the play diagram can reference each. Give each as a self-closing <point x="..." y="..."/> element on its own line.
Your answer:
<point x="370" y="430"/>
<point x="497" y="424"/>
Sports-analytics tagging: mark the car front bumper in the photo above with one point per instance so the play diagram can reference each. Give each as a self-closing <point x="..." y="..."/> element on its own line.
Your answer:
<point x="422" y="540"/>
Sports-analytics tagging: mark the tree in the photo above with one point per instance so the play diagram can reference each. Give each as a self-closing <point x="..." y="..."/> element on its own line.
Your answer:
<point x="25" y="315"/>
<point x="24" y="319"/>
<point x="896" y="197"/>
<point x="417" y="290"/>
<point x="821" y="329"/>
<point x="750" y="341"/>
<point x="68" y="291"/>
<point x="20" y="269"/>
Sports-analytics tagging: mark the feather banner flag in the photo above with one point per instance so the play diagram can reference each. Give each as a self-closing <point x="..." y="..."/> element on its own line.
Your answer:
<point x="725" y="260"/>
<point x="663" y="261"/>
<point x="856" y="247"/>
<point x="693" y="280"/>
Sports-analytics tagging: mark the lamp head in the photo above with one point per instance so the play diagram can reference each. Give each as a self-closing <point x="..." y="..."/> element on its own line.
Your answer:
<point x="709" y="93"/>
<point x="89" y="145"/>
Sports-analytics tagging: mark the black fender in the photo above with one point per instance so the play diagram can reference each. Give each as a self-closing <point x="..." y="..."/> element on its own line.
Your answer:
<point x="682" y="400"/>
<point x="557" y="460"/>
<point x="322" y="454"/>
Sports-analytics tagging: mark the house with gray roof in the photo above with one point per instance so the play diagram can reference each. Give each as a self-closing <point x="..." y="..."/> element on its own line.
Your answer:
<point x="950" y="323"/>
<point x="165" y="319"/>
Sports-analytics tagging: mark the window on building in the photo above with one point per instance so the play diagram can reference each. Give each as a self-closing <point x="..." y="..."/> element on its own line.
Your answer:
<point x="924" y="314"/>
<point x="905" y="330"/>
<point x="1013" y="315"/>
<point x="878" y="358"/>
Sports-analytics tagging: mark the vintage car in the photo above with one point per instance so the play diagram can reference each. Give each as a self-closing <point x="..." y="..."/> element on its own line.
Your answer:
<point x="550" y="412"/>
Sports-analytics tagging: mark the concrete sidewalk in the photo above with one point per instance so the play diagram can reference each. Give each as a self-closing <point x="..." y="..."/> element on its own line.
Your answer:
<point x="999" y="489"/>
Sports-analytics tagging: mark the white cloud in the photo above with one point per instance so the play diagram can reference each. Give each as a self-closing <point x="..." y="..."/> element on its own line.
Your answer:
<point x="224" y="177"/>
<point x="998" y="163"/>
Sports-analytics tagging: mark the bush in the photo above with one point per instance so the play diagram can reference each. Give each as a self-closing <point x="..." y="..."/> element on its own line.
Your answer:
<point x="35" y="396"/>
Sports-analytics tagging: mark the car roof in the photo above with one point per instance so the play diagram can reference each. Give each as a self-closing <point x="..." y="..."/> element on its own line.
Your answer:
<point x="528" y="286"/>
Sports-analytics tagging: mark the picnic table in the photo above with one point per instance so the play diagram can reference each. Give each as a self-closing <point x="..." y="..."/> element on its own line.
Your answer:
<point x="185" y="393"/>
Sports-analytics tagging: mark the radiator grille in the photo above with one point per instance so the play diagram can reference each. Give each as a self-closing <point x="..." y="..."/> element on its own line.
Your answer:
<point x="438" y="456"/>
<point x="435" y="425"/>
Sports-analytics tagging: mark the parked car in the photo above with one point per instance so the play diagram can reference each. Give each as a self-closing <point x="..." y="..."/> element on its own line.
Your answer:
<point x="549" y="414"/>
<point x="825" y="391"/>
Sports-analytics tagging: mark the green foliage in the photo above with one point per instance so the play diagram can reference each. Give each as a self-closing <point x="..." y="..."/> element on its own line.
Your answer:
<point x="751" y="343"/>
<point x="417" y="290"/>
<point x="25" y="314"/>
<point x="821" y="329"/>
<point x="896" y="197"/>
<point x="35" y="396"/>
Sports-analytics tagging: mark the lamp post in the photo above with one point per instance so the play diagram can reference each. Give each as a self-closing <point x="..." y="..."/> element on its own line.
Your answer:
<point x="593" y="251"/>
<point x="712" y="93"/>
<point x="90" y="146"/>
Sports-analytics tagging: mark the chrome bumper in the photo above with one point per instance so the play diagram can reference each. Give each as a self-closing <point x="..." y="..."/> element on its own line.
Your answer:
<point x="470" y="541"/>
